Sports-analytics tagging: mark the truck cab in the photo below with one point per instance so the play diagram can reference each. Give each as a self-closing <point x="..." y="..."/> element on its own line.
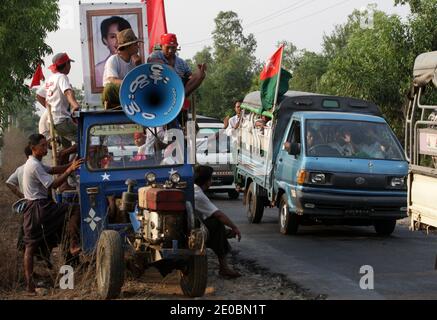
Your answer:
<point x="331" y="160"/>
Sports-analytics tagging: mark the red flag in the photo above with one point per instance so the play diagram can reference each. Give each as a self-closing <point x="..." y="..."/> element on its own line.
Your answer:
<point x="273" y="65"/>
<point x="37" y="77"/>
<point x="156" y="22"/>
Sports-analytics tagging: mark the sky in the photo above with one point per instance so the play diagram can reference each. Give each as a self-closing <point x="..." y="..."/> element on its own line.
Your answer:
<point x="303" y="22"/>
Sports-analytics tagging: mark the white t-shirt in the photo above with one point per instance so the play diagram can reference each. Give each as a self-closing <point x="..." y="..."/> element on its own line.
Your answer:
<point x="57" y="84"/>
<point x="43" y="125"/>
<point x="17" y="178"/>
<point x="36" y="179"/>
<point x="41" y="91"/>
<point x="203" y="206"/>
<point x="230" y="130"/>
<point x="116" y="67"/>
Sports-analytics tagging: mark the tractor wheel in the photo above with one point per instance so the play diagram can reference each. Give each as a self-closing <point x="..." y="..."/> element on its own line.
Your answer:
<point x="194" y="278"/>
<point x="109" y="264"/>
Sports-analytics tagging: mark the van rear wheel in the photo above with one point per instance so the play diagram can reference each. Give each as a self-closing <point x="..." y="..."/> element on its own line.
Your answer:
<point x="385" y="227"/>
<point x="288" y="222"/>
<point x="254" y="205"/>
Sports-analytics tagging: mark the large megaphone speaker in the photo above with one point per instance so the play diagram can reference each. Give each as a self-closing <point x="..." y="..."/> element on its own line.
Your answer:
<point x="152" y="94"/>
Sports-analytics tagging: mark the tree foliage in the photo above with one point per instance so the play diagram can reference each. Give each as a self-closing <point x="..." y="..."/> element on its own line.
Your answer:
<point x="231" y="67"/>
<point x="24" y="25"/>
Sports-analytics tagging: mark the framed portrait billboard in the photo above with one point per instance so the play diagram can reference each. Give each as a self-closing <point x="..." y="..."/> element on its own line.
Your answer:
<point x="100" y="24"/>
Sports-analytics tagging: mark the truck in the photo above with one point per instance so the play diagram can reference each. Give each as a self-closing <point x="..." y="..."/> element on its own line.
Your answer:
<point x="321" y="159"/>
<point x="421" y="143"/>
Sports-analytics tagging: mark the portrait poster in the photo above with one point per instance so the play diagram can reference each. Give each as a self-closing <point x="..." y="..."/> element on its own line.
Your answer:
<point x="100" y="24"/>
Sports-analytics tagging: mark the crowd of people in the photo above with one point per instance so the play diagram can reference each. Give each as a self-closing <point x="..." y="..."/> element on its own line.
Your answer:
<point x="46" y="222"/>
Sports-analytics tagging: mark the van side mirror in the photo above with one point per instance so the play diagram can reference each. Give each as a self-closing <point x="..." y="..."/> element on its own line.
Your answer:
<point x="292" y="148"/>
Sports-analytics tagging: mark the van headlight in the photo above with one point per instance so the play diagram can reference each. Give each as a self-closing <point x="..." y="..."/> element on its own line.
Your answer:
<point x="397" y="182"/>
<point x="317" y="178"/>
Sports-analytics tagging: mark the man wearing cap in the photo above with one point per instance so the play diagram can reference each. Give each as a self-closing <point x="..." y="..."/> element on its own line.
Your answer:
<point x="167" y="55"/>
<point x="118" y="66"/>
<point x="60" y="96"/>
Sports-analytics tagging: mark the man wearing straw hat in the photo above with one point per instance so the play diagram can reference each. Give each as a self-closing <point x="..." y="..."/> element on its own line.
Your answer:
<point x="119" y="65"/>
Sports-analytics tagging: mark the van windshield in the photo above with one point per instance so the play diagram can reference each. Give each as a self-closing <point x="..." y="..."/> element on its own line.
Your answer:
<point x="128" y="145"/>
<point x="351" y="139"/>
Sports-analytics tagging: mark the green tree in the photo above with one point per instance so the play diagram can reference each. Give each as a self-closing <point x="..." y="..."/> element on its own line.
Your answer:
<point x="231" y="67"/>
<point x="24" y="25"/>
<point x="309" y="69"/>
<point x="228" y="35"/>
<point x="373" y="66"/>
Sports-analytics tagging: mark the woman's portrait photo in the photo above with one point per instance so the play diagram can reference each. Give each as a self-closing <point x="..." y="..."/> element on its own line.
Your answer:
<point x="103" y="26"/>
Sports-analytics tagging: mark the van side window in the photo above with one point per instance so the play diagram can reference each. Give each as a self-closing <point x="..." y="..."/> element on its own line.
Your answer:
<point x="294" y="133"/>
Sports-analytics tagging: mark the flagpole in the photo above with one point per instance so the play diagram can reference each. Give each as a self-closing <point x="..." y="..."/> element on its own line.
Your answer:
<point x="278" y="80"/>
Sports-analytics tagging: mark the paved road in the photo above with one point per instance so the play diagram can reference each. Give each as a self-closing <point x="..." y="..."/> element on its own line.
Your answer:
<point x="327" y="259"/>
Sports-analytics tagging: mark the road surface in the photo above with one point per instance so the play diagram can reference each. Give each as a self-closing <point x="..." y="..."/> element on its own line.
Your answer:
<point x="327" y="259"/>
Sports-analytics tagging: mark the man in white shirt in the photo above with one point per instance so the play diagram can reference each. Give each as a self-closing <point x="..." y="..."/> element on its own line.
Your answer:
<point x="118" y="66"/>
<point x="234" y="122"/>
<point x="60" y="96"/>
<point x="215" y="220"/>
<point x="44" y="219"/>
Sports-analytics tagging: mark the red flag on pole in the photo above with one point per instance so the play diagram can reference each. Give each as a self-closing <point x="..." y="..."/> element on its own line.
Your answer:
<point x="156" y="22"/>
<point x="38" y="76"/>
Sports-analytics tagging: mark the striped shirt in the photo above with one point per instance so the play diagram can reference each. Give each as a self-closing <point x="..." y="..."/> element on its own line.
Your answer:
<point x="181" y="67"/>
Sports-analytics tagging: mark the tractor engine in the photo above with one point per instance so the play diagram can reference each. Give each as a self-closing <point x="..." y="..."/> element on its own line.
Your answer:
<point x="162" y="216"/>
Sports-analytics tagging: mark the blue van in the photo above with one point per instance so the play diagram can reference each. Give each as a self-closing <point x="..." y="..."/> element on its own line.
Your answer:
<point x="321" y="160"/>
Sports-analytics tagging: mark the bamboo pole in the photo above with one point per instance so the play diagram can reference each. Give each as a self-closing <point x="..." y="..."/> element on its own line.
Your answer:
<point x="52" y="135"/>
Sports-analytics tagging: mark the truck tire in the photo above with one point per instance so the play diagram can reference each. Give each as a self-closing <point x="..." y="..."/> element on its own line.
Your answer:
<point x="254" y="205"/>
<point x="288" y="222"/>
<point x="109" y="264"/>
<point x="233" y="195"/>
<point x="385" y="227"/>
<point x="194" y="278"/>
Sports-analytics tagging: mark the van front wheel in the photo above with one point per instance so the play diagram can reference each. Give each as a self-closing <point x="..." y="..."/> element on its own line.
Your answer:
<point x="385" y="227"/>
<point x="288" y="222"/>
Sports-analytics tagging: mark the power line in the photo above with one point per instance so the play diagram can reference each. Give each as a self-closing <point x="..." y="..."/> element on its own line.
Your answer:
<point x="302" y="18"/>
<point x="265" y="18"/>
<point x="278" y="13"/>
<point x="282" y="25"/>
